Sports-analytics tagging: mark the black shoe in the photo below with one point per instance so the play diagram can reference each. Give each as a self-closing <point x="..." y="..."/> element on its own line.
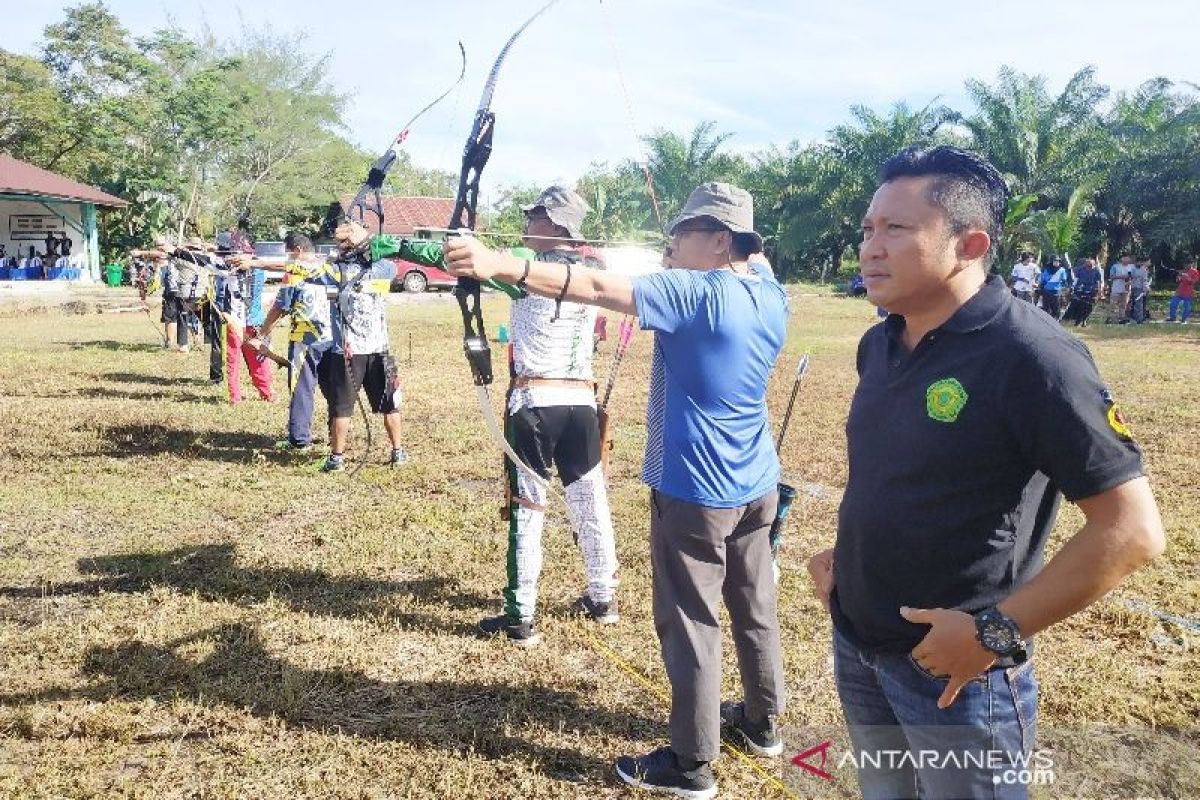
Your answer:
<point x="522" y="634"/>
<point x="602" y="613"/>
<point x="660" y="771"/>
<point x="759" y="738"/>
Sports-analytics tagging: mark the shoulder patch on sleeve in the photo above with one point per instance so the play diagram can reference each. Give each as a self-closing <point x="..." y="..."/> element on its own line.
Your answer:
<point x="1116" y="420"/>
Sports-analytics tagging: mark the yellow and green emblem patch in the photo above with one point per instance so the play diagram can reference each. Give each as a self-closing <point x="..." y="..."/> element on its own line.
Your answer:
<point x="945" y="400"/>
<point x="1116" y="420"/>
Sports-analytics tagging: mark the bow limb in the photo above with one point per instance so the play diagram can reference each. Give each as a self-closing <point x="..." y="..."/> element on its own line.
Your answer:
<point x="476" y="152"/>
<point x="485" y="405"/>
<point x="369" y="196"/>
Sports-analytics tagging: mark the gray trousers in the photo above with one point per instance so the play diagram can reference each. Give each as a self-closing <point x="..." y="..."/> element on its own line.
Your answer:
<point x="700" y="555"/>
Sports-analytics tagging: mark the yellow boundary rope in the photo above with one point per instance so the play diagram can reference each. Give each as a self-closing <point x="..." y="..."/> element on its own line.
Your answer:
<point x="665" y="697"/>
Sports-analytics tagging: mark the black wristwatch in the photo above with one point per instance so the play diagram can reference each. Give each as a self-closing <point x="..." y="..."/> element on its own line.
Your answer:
<point x="1000" y="634"/>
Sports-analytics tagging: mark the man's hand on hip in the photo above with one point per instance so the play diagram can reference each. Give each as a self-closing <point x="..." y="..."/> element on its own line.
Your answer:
<point x="950" y="650"/>
<point x="820" y="568"/>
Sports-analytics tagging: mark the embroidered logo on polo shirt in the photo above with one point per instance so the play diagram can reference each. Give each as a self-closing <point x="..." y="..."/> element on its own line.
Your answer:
<point x="945" y="400"/>
<point x="1116" y="420"/>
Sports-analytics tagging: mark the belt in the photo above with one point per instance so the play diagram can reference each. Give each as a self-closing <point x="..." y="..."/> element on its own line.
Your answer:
<point x="526" y="382"/>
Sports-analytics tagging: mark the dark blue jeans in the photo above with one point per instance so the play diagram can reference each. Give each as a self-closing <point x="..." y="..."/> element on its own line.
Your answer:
<point x="304" y="389"/>
<point x="906" y="747"/>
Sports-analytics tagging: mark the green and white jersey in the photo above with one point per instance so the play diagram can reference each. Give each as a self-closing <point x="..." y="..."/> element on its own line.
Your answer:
<point x="545" y="347"/>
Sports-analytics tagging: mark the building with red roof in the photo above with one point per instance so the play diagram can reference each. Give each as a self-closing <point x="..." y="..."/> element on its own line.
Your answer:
<point x="35" y="204"/>
<point x="406" y="216"/>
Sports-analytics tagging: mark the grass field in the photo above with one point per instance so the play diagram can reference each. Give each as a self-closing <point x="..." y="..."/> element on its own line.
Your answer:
<point x="185" y="613"/>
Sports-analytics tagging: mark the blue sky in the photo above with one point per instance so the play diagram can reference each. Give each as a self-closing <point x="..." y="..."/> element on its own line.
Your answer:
<point x="767" y="71"/>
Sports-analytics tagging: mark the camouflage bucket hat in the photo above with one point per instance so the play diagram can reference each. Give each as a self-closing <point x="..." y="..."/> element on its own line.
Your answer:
<point x="564" y="207"/>
<point x="729" y="205"/>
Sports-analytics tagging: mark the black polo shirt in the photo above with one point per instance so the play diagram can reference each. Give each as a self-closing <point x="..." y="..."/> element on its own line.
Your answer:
<point x="958" y="453"/>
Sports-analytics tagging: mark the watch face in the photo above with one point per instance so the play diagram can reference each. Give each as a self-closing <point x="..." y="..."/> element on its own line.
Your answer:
<point x="998" y="636"/>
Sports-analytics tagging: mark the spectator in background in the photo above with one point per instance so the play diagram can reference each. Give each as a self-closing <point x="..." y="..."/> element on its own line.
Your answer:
<point x="1089" y="283"/>
<point x="1139" y="290"/>
<point x="1024" y="278"/>
<point x="1054" y="279"/>
<point x="1188" y="277"/>
<point x="1118" y="296"/>
<point x="34" y="264"/>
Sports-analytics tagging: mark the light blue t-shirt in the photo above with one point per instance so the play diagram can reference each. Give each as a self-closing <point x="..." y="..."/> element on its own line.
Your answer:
<point x="256" y="315"/>
<point x="717" y="335"/>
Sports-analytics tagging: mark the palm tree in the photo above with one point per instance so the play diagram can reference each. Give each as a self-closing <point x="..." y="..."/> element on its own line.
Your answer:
<point x="1054" y="230"/>
<point x="1149" y="197"/>
<point x="679" y="165"/>
<point x="824" y="189"/>
<point x="1040" y="143"/>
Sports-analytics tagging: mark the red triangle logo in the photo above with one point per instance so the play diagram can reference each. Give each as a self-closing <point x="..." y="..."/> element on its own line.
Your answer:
<point x="801" y="760"/>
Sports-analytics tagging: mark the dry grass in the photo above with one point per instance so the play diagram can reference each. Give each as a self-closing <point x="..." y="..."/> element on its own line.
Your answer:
<point x="185" y="613"/>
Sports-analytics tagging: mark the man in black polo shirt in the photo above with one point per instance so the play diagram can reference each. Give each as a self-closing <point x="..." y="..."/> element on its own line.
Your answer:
<point x="974" y="413"/>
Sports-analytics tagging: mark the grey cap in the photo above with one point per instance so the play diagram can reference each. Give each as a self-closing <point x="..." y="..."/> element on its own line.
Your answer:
<point x="729" y="205"/>
<point x="564" y="207"/>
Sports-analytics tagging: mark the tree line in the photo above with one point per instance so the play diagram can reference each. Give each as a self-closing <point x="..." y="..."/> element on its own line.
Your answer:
<point x="194" y="130"/>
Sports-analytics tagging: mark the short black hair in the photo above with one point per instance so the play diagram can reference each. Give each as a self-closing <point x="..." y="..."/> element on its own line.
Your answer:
<point x="968" y="189"/>
<point x="298" y="241"/>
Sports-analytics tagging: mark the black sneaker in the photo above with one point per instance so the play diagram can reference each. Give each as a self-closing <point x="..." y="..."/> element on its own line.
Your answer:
<point x="759" y="738"/>
<point x="602" y="613"/>
<point x="334" y="464"/>
<point x="522" y="634"/>
<point x="660" y="771"/>
<point x="399" y="457"/>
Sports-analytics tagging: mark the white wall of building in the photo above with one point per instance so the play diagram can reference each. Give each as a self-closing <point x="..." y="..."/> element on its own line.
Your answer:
<point x="64" y="218"/>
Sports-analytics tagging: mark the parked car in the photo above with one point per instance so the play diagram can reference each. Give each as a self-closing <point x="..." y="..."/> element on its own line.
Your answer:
<point x="270" y="250"/>
<point x="416" y="278"/>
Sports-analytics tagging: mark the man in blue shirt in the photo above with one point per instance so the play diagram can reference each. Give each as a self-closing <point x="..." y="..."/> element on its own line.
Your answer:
<point x="719" y="323"/>
<point x="1054" y="279"/>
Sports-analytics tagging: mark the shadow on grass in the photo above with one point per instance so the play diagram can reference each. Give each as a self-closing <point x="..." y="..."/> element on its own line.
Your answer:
<point x="135" y="441"/>
<point x="104" y="393"/>
<point x="212" y="572"/>
<point x="451" y="715"/>
<point x="115" y="346"/>
<point x="153" y="380"/>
